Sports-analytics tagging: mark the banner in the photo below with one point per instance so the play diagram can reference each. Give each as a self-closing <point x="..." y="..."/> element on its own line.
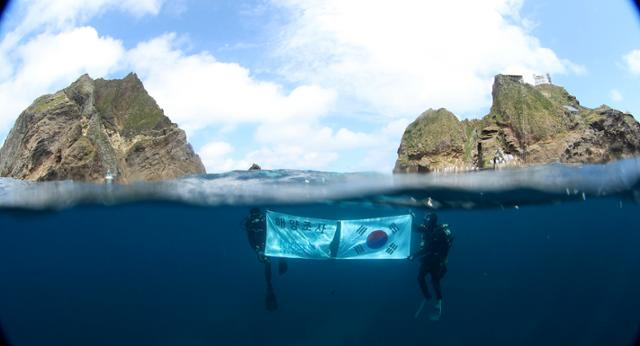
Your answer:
<point x="303" y="237"/>
<point x="380" y="238"/>
<point x="299" y="237"/>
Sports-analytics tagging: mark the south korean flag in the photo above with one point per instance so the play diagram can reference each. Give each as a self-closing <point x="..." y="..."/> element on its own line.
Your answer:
<point x="377" y="238"/>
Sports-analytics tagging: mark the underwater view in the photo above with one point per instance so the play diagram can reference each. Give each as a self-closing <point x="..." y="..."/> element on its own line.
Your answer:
<point x="540" y="256"/>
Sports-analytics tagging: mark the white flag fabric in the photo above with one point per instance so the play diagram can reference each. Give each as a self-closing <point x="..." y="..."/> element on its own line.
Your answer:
<point x="299" y="237"/>
<point x="379" y="238"/>
<point x="303" y="237"/>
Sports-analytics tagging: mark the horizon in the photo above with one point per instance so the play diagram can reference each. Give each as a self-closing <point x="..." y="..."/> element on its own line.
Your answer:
<point x="301" y="84"/>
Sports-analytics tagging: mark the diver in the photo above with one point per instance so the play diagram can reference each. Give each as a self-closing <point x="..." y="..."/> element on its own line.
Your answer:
<point x="256" y="228"/>
<point x="436" y="240"/>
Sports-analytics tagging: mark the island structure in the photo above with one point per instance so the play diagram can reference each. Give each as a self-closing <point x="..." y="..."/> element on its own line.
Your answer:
<point x="527" y="125"/>
<point x="97" y="131"/>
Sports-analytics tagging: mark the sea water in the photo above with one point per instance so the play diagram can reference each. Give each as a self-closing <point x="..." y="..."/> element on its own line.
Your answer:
<point x="542" y="256"/>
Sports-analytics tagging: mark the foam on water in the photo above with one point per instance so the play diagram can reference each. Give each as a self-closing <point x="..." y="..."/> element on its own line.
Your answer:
<point x="541" y="184"/>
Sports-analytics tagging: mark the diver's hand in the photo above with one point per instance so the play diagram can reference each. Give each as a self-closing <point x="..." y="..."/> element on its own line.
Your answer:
<point x="261" y="257"/>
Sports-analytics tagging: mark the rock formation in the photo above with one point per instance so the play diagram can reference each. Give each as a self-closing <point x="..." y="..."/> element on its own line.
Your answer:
<point x="94" y="127"/>
<point x="526" y="125"/>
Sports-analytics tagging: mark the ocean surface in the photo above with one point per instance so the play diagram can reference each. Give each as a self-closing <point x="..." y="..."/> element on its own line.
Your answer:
<point x="542" y="256"/>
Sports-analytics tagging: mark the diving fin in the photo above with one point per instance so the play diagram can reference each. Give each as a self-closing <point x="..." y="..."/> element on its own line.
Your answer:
<point x="436" y="311"/>
<point x="271" y="304"/>
<point x="420" y="307"/>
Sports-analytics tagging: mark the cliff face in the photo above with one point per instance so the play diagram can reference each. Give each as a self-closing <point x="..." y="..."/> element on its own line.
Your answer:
<point x="93" y="127"/>
<point x="526" y="125"/>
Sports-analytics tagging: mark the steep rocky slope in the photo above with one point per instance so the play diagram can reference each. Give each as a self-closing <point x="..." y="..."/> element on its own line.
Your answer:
<point x="526" y="125"/>
<point x="94" y="127"/>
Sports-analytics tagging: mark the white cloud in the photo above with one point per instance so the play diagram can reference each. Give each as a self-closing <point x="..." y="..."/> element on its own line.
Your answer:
<point x="312" y="136"/>
<point x="632" y="59"/>
<point x="314" y="146"/>
<point x="49" y="62"/>
<point x="215" y="157"/>
<point x="292" y="157"/>
<point x="615" y="95"/>
<point x="402" y="57"/>
<point x="61" y="14"/>
<point x="197" y="91"/>
<point x="288" y="145"/>
<point x="310" y="146"/>
<point x="49" y="58"/>
<point x="46" y="50"/>
<point x="303" y="145"/>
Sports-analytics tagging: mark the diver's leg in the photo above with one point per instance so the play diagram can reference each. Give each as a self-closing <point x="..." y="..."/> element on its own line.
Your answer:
<point x="435" y="280"/>
<point x="436" y="277"/>
<point x="267" y="274"/>
<point x="271" y="303"/>
<point x="422" y="281"/>
<point x="436" y="310"/>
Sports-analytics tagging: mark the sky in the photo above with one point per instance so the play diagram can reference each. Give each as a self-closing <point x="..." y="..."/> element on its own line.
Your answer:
<point x="316" y="84"/>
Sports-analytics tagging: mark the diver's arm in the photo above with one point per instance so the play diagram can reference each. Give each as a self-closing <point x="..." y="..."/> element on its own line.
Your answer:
<point x="423" y="251"/>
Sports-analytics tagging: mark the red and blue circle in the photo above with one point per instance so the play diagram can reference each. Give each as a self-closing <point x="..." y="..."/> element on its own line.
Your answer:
<point x="377" y="239"/>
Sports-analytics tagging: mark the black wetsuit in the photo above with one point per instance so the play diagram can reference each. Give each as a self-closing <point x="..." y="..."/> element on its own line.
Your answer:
<point x="255" y="226"/>
<point x="433" y="258"/>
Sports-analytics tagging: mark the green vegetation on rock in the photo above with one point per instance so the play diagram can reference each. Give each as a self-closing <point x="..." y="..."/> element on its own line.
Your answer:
<point x="529" y="113"/>
<point x="93" y="127"/>
<point x="526" y="125"/>
<point x="128" y="104"/>
<point x="47" y="102"/>
<point x="444" y="129"/>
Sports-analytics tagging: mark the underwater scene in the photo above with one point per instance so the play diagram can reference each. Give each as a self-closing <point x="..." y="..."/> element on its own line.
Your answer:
<point x="546" y="255"/>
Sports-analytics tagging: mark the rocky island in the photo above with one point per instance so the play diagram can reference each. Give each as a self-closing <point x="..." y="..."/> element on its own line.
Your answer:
<point x="526" y="125"/>
<point x="95" y="128"/>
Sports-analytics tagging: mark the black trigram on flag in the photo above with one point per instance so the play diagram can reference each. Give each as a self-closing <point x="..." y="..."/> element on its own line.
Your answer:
<point x="360" y="231"/>
<point x="394" y="228"/>
<point x="392" y="247"/>
<point x="358" y="249"/>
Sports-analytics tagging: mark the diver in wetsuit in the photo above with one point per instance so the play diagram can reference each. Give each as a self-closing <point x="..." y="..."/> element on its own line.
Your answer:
<point x="434" y="249"/>
<point x="256" y="228"/>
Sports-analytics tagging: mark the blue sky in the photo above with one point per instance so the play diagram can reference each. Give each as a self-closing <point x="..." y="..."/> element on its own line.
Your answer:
<point x="309" y="84"/>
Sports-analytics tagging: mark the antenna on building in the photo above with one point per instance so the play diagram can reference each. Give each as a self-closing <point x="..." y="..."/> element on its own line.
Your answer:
<point x="539" y="79"/>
